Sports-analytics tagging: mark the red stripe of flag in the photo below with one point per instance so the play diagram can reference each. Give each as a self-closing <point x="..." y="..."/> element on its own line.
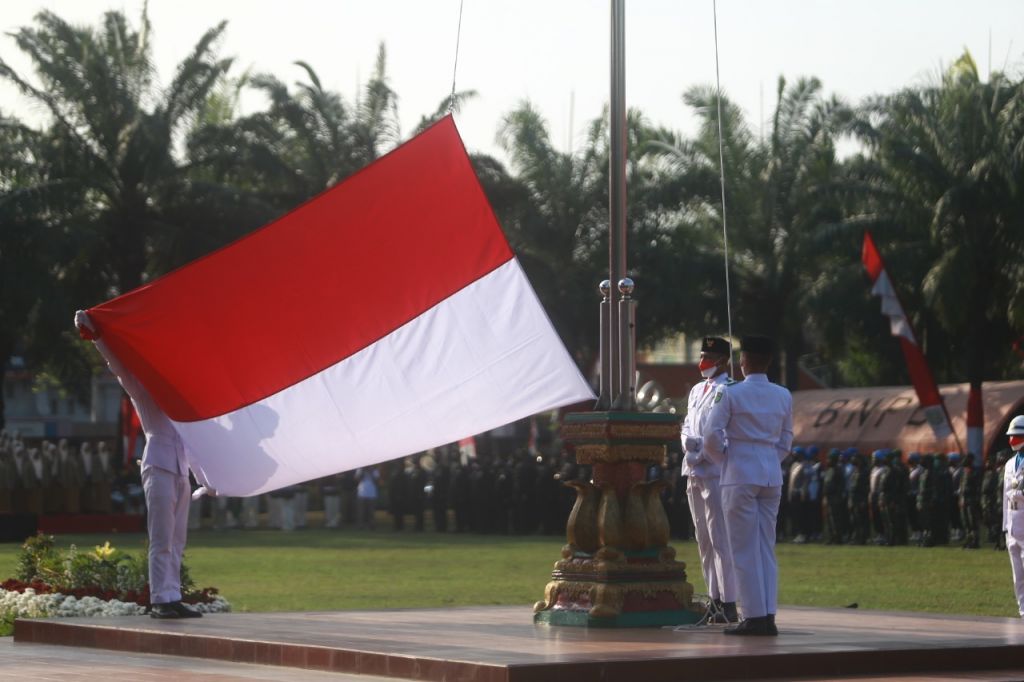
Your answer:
<point x="871" y="258"/>
<point x="336" y="274"/>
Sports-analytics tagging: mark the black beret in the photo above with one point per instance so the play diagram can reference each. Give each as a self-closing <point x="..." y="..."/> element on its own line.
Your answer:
<point x="715" y="344"/>
<point x="757" y="344"/>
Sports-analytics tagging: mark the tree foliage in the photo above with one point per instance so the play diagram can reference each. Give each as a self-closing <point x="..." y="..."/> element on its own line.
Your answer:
<point x="128" y="180"/>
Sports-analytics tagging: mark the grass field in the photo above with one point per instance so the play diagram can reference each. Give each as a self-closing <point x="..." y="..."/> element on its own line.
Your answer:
<point x="321" y="569"/>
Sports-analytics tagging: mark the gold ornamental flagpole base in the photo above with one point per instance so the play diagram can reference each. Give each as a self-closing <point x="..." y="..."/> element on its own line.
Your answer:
<point x="617" y="569"/>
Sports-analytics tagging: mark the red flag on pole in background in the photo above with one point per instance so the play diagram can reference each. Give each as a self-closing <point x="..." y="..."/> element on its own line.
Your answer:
<point x="975" y="425"/>
<point x="899" y="325"/>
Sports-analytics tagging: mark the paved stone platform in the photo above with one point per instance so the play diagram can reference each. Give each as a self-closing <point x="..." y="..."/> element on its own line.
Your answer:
<point x="501" y="644"/>
<point x="20" y="662"/>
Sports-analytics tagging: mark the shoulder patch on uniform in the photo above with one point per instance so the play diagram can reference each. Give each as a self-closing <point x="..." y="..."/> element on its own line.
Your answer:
<point x="718" y="397"/>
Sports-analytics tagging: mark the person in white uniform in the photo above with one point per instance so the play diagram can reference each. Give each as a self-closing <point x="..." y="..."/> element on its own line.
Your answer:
<point x="164" y="482"/>
<point x="1013" y="508"/>
<point x="749" y="432"/>
<point x="702" y="488"/>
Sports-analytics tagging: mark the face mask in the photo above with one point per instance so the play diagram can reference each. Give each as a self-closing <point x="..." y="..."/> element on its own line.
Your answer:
<point x="1016" y="442"/>
<point x="707" y="368"/>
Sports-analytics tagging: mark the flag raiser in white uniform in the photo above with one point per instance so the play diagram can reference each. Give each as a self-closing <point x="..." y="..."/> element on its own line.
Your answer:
<point x="703" y="491"/>
<point x="749" y="432"/>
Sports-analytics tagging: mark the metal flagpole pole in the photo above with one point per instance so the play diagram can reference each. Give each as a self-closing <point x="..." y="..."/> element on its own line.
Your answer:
<point x="617" y="194"/>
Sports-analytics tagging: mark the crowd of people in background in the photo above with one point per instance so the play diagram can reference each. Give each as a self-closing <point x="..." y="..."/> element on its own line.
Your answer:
<point x="53" y="478"/>
<point x="888" y="499"/>
<point x="834" y="497"/>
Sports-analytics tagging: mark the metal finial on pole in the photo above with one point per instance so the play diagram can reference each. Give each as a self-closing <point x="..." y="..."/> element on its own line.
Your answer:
<point x="604" y="396"/>
<point x="626" y="400"/>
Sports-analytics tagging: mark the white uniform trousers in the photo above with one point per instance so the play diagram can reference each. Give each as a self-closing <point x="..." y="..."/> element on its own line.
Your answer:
<point x="167" y="502"/>
<point x="1016" y="549"/>
<point x="751" y="512"/>
<point x="705" y="495"/>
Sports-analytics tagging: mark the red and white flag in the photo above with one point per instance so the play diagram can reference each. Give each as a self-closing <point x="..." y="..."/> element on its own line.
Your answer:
<point x="899" y="324"/>
<point x="386" y="316"/>
<point x="467" y="449"/>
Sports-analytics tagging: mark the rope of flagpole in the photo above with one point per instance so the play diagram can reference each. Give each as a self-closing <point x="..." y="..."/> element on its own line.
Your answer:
<point x="721" y="176"/>
<point x="455" y="67"/>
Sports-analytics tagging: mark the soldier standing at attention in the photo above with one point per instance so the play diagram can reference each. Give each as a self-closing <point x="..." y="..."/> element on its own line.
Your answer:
<point x="834" y="485"/>
<point x="703" y="490"/>
<point x="878" y="472"/>
<point x="992" y="497"/>
<point x="970" y="502"/>
<point x="1013" y="507"/>
<point x="749" y="432"/>
<point x="914" y="479"/>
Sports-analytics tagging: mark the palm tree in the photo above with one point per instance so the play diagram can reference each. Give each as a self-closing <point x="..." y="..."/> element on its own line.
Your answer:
<point x="22" y="238"/>
<point x="778" y="195"/>
<point x="948" y="162"/>
<point x="555" y="219"/>
<point x="308" y="139"/>
<point x="114" y="131"/>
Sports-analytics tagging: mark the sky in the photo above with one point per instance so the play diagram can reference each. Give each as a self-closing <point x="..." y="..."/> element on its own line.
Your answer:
<point x="556" y="52"/>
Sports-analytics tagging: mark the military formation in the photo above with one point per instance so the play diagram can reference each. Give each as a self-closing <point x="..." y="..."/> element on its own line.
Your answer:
<point x="58" y="478"/>
<point x="837" y="497"/>
<point x="849" y="497"/>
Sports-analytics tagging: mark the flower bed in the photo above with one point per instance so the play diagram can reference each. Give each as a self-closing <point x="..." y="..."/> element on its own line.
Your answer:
<point x="105" y="582"/>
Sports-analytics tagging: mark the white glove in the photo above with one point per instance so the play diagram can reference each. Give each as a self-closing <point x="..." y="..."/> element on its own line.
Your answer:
<point x="203" y="490"/>
<point x="693" y="459"/>
<point x="693" y="443"/>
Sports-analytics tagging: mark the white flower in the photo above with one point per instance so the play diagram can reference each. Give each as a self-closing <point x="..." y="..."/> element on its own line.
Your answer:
<point x="28" y="604"/>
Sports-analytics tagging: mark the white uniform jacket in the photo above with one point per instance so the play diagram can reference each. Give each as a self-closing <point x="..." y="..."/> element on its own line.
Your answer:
<point x="748" y="420"/>
<point x="1013" y="500"/>
<point x="698" y="408"/>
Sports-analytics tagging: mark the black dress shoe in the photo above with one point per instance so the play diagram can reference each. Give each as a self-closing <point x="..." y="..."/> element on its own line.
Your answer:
<point x="772" y="630"/>
<point x="174" y="609"/>
<point x="753" y="627"/>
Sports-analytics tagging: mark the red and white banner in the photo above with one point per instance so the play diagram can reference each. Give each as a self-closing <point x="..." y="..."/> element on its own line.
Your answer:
<point x="385" y="316"/>
<point x="899" y="325"/>
<point x="976" y="425"/>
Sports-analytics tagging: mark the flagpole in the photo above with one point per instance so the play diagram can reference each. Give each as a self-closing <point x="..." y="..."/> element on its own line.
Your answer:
<point x="619" y="366"/>
<point x="618" y="444"/>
